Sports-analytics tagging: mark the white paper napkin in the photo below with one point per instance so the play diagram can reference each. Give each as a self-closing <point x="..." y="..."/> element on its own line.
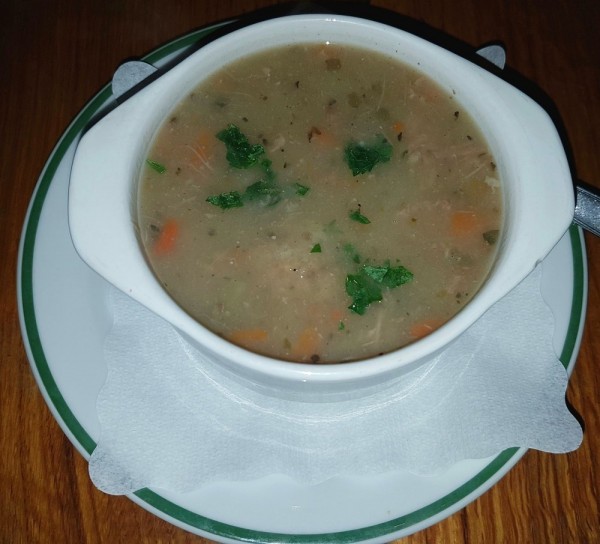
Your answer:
<point x="170" y="421"/>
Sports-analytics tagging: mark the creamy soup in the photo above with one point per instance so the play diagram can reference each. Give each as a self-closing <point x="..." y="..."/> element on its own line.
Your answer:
<point x="320" y="204"/>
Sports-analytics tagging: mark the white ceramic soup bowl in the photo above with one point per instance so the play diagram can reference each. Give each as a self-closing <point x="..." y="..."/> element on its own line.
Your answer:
<point x="535" y="176"/>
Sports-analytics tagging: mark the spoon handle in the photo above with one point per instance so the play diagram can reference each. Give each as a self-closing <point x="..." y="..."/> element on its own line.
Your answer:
<point x="587" y="207"/>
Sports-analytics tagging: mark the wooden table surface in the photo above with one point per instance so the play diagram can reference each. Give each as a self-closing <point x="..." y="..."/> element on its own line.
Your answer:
<point x="55" y="55"/>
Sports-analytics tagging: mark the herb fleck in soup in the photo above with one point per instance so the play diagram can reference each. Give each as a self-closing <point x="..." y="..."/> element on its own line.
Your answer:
<point x="320" y="204"/>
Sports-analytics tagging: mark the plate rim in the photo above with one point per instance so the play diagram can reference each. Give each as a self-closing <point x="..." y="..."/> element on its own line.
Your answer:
<point x="152" y="500"/>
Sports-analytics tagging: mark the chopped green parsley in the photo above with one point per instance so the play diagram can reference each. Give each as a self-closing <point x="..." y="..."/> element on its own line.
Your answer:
<point x="267" y="192"/>
<point x="301" y="190"/>
<point x="387" y="275"/>
<point x="161" y="169"/>
<point x="355" y="215"/>
<point x="350" y="250"/>
<point x="491" y="236"/>
<point x="225" y="201"/>
<point x="240" y="153"/>
<point x="363" y="291"/>
<point x="362" y="157"/>
<point x="316" y="248"/>
<point x="367" y="285"/>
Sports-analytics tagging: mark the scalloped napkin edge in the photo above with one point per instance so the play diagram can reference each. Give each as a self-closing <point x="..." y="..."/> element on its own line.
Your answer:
<point x="170" y="421"/>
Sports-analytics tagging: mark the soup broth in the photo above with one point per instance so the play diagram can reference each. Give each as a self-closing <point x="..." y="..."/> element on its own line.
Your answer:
<point x="321" y="204"/>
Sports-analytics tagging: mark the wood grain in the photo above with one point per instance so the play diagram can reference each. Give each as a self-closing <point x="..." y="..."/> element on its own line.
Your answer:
<point x="55" y="55"/>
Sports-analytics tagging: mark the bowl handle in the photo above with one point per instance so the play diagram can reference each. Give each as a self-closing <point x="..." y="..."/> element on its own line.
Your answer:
<point x="128" y="76"/>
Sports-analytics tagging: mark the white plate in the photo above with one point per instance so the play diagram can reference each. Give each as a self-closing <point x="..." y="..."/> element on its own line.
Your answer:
<point x="65" y="318"/>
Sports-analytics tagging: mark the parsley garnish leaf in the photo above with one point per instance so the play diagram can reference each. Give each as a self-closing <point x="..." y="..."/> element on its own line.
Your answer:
<point x="366" y="286"/>
<point x="225" y="201"/>
<point x="161" y="169"/>
<point x="265" y="164"/>
<point x="316" y="248"/>
<point x="267" y="192"/>
<point x="389" y="276"/>
<point x="376" y="273"/>
<point x="396" y="276"/>
<point x="355" y="215"/>
<point x="350" y="250"/>
<point x="363" y="291"/>
<point x="240" y="153"/>
<point x="362" y="157"/>
<point x="491" y="236"/>
<point x="301" y="190"/>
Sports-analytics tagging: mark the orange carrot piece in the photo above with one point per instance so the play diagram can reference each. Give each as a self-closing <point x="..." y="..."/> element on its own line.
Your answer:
<point x="398" y="127"/>
<point x="463" y="223"/>
<point x="423" y="328"/>
<point x="322" y="137"/>
<point x="247" y="337"/>
<point x="205" y="141"/>
<point x="167" y="239"/>
<point x="327" y="139"/>
<point x="307" y="345"/>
